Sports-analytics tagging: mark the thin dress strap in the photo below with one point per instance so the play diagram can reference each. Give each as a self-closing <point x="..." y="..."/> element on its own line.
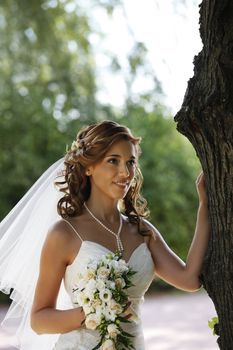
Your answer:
<point x="73" y="229"/>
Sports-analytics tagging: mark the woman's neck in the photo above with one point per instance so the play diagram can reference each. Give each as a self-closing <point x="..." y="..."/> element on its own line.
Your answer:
<point x="104" y="210"/>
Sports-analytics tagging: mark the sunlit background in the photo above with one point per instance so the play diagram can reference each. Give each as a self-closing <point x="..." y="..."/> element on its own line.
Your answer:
<point x="170" y="32"/>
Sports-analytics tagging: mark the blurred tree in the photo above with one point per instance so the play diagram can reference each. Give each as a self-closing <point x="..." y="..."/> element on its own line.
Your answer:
<point x="206" y="119"/>
<point x="47" y="81"/>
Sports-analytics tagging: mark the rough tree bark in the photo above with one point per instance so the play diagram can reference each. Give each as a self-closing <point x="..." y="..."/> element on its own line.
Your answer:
<point x="206" y="119"/>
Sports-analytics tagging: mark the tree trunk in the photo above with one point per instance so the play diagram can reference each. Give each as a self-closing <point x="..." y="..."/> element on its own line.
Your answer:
<point x="206" y="119"/>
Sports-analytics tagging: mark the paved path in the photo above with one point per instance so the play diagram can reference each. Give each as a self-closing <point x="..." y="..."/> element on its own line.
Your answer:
<point x="179" y="322"/>
<point x="170" y="322"/>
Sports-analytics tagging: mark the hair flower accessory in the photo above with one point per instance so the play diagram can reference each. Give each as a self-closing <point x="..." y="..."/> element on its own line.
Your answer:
<point x="79" y="146"/>
<point x="75" y="146"/>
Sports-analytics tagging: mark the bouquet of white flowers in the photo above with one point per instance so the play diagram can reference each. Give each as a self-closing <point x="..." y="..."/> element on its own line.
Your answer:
<point x="101" y="291"/>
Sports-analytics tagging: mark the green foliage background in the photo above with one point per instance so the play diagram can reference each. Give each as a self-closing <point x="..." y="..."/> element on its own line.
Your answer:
<point x="48" y="91"/>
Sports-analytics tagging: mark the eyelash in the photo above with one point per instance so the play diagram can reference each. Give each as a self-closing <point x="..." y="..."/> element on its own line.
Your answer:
<point x="115" y="160"/>
<point x="132" y="162"/>
<point x="112" y="160"/>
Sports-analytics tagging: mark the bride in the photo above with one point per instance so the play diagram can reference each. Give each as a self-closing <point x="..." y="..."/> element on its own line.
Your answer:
<point x="100" y="210"/>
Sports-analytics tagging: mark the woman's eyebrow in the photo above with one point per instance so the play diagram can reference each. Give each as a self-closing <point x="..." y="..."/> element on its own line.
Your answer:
<point x="119" y="156"/>
<point x="113" y="155"/>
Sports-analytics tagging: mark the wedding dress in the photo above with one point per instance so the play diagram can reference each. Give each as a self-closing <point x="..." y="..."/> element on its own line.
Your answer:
<point x="141" y="261"/>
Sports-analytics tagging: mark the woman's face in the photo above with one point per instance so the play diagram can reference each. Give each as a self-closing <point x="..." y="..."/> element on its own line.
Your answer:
<point x="112" y="175"/>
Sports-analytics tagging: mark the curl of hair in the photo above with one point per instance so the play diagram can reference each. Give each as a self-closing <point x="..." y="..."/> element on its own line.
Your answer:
<point x="91" y="145"/>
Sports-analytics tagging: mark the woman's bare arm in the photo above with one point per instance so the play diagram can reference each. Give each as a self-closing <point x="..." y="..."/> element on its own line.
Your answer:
<point x="45" y="318"/>
<point x="168" y="265"/>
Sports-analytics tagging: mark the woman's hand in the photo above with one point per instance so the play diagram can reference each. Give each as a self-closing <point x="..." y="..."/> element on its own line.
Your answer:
<point x="129" y="312"/>
<point x="201" y="188"/>
<point x="126" y="311"/>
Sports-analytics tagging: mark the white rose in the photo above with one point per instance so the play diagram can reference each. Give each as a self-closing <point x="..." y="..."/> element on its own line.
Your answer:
<point x="92" y="321"/>
<point x="119" y="266"/>
<point x="105" y="294"/>
<point x="120" y="282"/>
<point x="100" y="284"/>
<point x="111" y="284"/>
<point x="96" y="302"/>
<point x="89" y="274"/>
<point x="90" y="288"/>
<point x="103" y="272"/>
<point x="114" y="306"/>
<point x="113" y="330"/>
<point x="114" y="265"/>
<point x="109" y="314"/>
<point x="108" y="345"/>
<point x="122" y="266"/>
<point x="100" y="310"/>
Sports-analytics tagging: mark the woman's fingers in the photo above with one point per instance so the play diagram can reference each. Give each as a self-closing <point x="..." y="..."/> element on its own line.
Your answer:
<point x="201" y="188"/>
<point x="127" y="306"/>
<point x="126" y="310"/>
<point x="200" y="177"/>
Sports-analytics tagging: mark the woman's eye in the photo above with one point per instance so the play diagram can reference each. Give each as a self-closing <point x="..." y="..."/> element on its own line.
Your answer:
<point x="132" y="162"/>
<point x="113" y="161"/>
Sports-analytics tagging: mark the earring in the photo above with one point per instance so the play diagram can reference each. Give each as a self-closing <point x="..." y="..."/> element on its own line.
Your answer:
<point x="88" y="172"/>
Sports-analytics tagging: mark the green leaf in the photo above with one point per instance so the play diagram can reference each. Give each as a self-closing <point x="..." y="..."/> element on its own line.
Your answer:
<point x="212" y="323"/>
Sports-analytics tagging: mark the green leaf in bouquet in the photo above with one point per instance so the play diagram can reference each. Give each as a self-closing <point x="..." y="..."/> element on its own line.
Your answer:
<point x="123" y="319"/>
<point x="126" y="334"/>
<point x="99" y="344"/>
<point x="125" y="341"/>
<point x="131" y="272"/>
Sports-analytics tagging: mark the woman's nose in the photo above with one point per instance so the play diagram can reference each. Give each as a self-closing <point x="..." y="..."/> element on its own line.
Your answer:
<point x="124" y="171"/>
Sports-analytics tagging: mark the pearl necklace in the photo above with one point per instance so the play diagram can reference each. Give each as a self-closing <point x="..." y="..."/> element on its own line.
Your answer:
<point x="116" y="235"/>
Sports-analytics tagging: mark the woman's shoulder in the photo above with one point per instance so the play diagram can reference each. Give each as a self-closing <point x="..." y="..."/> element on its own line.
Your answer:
<point x="148" y="225"/>
<point x="59" y="230"/>
<point x="59" y="234"/>
<point x="146" y="228"/>
<point x="59" y="241"/>
<point x="149" y="229"/>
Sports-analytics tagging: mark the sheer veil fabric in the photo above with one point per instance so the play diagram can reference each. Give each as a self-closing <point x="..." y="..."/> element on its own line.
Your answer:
<point x="22" y="234"/>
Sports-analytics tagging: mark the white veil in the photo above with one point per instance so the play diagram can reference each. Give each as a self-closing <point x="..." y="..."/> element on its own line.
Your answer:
<point x="22" y="234"/>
